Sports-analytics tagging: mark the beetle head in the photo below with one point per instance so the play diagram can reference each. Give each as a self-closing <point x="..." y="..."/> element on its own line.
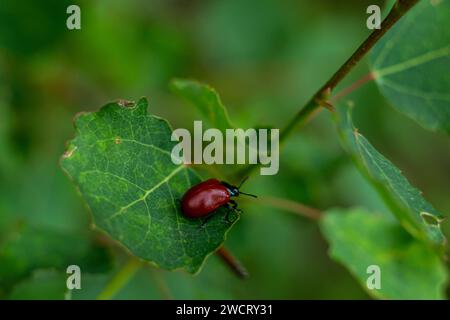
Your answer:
<point x="236" y="190"/>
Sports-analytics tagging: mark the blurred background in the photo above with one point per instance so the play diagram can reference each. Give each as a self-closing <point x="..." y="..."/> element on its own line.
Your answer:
<point x="266" y="58"/>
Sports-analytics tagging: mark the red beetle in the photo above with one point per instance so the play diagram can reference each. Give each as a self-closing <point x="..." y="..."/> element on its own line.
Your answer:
<point x="207" y="196"/>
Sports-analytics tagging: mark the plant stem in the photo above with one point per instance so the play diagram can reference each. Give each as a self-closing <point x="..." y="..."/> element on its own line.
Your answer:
<point x="319" y="98"/>
<point x="120" y="279"/>
<point x="290" y="206"/>
<point x="161" y="285"/>
<point x="357" y="84"/>
<point x="232" y="262"/>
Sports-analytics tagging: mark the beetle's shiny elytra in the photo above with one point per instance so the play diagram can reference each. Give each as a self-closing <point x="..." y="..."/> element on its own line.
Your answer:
<point x="207" y="196"/>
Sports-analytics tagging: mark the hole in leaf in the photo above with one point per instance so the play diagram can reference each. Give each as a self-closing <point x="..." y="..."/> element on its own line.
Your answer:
<point x="429" y="219"/>
<point x="125" y="103"/>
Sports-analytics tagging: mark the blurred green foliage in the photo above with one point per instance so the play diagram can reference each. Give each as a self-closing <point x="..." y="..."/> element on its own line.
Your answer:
<point x="363" y="240"/>
<point x="266" y="58"/>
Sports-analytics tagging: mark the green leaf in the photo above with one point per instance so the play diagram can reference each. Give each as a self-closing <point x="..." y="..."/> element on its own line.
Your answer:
<point x="206" y="99"/>
<point x="409" y="268"/>
<point x="44" y="226"/>
<point x="29" y="248"/>
<point x="415" y="214"/>
<point x="411" y="65"/>
<point x="121" y="162"/>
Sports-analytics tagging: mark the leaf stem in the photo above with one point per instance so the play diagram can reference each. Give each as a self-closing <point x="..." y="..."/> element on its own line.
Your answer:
<point x="232" y="262"/>
<point x="290" y="206"/>
<point x="120" y="279"/>
<point x="161" y="285"/>
<point x="354" y="86"/>
<point x="319" y="98"/>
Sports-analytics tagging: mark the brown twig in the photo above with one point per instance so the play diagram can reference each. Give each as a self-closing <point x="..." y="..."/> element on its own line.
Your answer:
<point x="320" y="98"/>
<point x="232" y="262"/>
<point x="291" y="206"/>
<point x="355" y="85"/>
<point x="161" y="285"/>
<point x="399" y="10"/>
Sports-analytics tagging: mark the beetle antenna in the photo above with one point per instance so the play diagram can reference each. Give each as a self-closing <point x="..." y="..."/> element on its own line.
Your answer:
<point x="242" y="182"/>
<point x="248" y="194"/>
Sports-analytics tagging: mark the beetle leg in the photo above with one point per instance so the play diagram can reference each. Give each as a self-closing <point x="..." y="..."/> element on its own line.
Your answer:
<point x="227" y="216"/>
<point x="234" y="206"/>
<point x="205" y="220"/>
<point x="231" y="206"/>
